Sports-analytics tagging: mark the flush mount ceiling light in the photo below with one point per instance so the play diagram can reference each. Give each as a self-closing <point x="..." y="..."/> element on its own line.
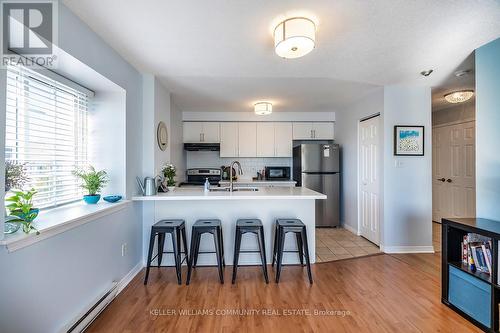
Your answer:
<point x="294" y="37"/>
<point x="263" y="108"/>
<point x="459" y="96"/>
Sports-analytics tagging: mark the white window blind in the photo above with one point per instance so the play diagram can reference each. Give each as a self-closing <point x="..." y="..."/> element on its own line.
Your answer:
<point x="46" y="129"/>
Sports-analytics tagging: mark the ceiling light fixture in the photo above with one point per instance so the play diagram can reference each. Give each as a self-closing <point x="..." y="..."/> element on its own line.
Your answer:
<point x="459" y="96"/>
<point x="263" y="108"/>
<point x="294" y="37"/>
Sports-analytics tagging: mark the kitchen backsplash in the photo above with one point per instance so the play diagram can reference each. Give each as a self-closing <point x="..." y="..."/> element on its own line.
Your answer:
<point x="250" y="165"/>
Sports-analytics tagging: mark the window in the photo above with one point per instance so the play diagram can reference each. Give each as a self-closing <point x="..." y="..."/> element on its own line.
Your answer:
<point x="47" y="131"/>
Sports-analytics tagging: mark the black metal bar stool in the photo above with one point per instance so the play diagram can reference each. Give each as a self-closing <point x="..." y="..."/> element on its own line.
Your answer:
<point x="201" y="227"/>
<point x="176" y="229"/>
<point x="254" y="226"/>
<point x="282" y="227"/>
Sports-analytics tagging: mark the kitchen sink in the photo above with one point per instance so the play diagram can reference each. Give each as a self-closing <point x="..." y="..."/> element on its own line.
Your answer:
<point x="245" y="189"/>
<point x="237" y="189"/>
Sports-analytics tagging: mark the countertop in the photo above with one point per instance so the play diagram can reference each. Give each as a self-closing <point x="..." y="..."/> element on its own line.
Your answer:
<point x="264" y="193"/>
<point x="256" y="182"/>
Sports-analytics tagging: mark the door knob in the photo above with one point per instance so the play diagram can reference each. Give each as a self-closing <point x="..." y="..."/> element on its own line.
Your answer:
<point x="441" y="179"/>
<point x="449" y="180"/>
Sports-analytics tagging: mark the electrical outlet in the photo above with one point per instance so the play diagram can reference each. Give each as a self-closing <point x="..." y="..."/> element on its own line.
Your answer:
<point x="124" y="249"/>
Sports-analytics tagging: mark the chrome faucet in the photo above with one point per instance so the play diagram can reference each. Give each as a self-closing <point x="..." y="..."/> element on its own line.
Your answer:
<point x="240" y="172"/>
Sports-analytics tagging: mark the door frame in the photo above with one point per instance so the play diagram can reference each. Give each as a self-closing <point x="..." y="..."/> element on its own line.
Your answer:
<point x="380" y="175"/>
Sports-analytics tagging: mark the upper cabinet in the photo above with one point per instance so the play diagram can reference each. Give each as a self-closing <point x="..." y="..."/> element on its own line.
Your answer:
<point x="256" y="139"/>
<point x="228" y="139"/>
<point x="196" y="132"/>
<point x="265" y="139"/>
<point x="247" y="139"/>
<point x="313" y="131"/>
<point x="283" y="140"/>
<point x="302" y="131"/>
<point x="323" y="131"/>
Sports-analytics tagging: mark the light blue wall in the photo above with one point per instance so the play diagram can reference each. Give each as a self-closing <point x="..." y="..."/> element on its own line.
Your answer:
<point x="45" y="285"/>
<point x="487" y="131"/>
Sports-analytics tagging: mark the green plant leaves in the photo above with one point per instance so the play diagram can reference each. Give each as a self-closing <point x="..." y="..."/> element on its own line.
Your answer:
<point x="93" y="181"/>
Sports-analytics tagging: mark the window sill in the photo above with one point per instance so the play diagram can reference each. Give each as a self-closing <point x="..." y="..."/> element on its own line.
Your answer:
<point x="58" y="220"/>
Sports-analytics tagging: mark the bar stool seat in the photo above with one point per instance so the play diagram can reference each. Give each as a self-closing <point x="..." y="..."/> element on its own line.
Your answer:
<point x="254" y="226"/>
<point x="177" y="230"/>
<point x="296" y="226"/>
<point x="200" y="227"/>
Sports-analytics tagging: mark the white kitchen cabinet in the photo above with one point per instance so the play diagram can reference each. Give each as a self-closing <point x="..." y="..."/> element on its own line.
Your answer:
<point x="211" y="132"/>
<point x="283" y="140"/>
<point x="302" y="131"/>
<point x="228" y="139"/>
<point x="323" y="131"/>
<point x="192" y="132"/>
<point x="313" y="131"/>
<point x="196" y="132"/>
<point x="265" y="139"/>
<point x="247" y="139"/>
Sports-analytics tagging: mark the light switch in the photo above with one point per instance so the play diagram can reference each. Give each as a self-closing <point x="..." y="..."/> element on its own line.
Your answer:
<point x="398" y="163"/>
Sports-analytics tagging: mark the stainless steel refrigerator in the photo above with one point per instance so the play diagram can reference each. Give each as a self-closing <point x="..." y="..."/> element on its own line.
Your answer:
<point x="317" y="167"/>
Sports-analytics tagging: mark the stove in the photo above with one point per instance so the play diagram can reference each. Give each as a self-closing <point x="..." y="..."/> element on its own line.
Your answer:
<point x="197" y="177"/>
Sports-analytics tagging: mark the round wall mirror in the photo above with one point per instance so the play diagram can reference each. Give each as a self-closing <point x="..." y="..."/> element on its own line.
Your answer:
<point x="162" y="135"/>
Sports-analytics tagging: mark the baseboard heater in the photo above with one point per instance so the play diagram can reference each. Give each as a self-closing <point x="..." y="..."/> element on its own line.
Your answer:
<point x="86" y="319"/>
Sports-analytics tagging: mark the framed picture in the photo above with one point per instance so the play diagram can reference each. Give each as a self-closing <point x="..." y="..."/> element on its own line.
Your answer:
<point x="408" y="140"/>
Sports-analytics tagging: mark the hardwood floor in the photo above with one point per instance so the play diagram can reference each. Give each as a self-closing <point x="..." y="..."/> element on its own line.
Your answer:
<point x="380" y="293"/>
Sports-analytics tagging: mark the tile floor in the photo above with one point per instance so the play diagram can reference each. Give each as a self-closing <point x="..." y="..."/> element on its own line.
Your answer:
<point x="338" y="243"/>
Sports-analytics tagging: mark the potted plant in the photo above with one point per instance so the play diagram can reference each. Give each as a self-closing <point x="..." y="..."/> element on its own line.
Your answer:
<point x="169" y="173"/>
<point x="15" y="175"/>
<point x="93" y="181"/>
<point x="21" y="210"/>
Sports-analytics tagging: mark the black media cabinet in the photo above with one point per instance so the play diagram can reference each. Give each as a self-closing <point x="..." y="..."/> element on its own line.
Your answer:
<point x="474" y="295"/>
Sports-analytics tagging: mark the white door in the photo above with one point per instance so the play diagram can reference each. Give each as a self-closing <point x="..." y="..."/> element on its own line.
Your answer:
<point x="302" y="131"/>
<point x="441" y="169"/>
<point x="265" y="139"/>
<point x="283" y="139"/>
<point x="211" y="132"/>
<point x="323" y="131"/>
<point x="247" y="139"/>
<point x="192" y="132"/>
<point x="228" y="139"/>
<point x="369" y="180"/>
<point x="454" y="186"/>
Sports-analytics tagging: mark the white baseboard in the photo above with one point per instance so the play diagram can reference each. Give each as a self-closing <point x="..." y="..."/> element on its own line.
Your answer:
<point x="350" y="228"/>
<point x="130" y="275"/>
<point x="407" y="249"/>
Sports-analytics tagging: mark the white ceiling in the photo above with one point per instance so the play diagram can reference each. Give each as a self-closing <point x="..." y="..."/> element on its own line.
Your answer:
<point x="454" y="83"/>
<point x="218" y="55"/>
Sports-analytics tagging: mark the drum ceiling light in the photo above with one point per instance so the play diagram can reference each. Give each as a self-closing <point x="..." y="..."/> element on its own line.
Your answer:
<point x="459" y="96"/>
<point x="294" y="37"/>
<point x="263" y="108"/>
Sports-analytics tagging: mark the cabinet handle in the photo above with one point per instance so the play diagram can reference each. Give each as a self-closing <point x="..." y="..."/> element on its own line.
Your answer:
<point x="441" y="179"/>
<point x="200" y="137"/>
<point x="203" y="137"/>
<point x="312" y="135"/>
